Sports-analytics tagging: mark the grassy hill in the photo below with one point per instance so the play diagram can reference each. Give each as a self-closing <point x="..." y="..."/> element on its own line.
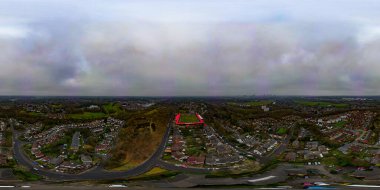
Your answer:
<point x="139" y="139"/>
<point x="112" y="108"/>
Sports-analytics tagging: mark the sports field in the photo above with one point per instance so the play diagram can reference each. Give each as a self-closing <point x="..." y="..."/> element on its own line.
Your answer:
<point x="87" y="115"/>
<point x="252" y="103"/>
<point x="188" y="118"/>
<point x="322" y="104"/>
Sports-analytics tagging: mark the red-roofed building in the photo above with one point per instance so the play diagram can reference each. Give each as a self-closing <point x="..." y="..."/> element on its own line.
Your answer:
<point x="196" y="160"/>
<point x="39" y="154"/>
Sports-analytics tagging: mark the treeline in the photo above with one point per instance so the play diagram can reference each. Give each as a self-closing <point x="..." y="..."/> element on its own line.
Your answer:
<point x="318" y="135"/>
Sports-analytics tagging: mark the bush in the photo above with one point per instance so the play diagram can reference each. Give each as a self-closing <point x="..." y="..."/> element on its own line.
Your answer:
<point x="281" y="131"/>
<point x="26" y="175"/>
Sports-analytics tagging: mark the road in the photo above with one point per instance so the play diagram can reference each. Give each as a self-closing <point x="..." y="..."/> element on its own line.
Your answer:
<point x="95" y="174"/>
<point x="274" y="175"/>
<point x="99" y="173"/>
<point x="279" y="150"/>
<point x="169" y="166"/>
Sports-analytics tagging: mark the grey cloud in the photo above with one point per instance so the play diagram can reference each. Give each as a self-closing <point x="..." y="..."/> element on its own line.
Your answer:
<point x="63" y="57"/>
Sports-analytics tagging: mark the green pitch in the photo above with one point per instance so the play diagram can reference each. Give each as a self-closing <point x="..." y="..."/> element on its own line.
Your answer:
<point x="188" y="118"/>
<point x="322" y="104"/>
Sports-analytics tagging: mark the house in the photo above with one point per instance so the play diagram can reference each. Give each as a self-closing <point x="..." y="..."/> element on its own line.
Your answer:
<point x="365" y="136"/>
<point x="2" y="126"/>
<point x="35" y="146"/>
<point x="87" y="160"/>
<point x="376" y="158"/>
<point x="39" y="154"/>
<point x="93" y="107"/>
<point x="231" y="159"/>
<point x="69" y="165"/>
<point x="3" y="160"/>
<point x="312" y="145"/>
<point x="291" y="156"/>
<point x="178" y="139"/>
<point x="101" y="147"/>
<point x="179" y="156"/>
<point x="211" y="160"/>
<point x="296" y="144"/>
<point x="56" y="161"/>
<point x="310" y="155"/>
<point x="344" y="148"/>
<point x="75" y="143"/>
<point x="177" y="147"/>
<point x="323" y="149"/>
<point x="265" y="108"/>
<point x="222" y="149"/>
<point x="168" y="150"/>
<point x="258" y="152"/>
<point x="355" y="148"/>
<point x="45" y="159"/>
<point x="97" y="130"/>
<point x="2" y="139"/>
<point x="196" y="160"/>
<point x="270" y="145"/>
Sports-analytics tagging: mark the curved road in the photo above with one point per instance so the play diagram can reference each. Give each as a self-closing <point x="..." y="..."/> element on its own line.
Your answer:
<point x="98" y="173"/>
<point x="95" y="174"/>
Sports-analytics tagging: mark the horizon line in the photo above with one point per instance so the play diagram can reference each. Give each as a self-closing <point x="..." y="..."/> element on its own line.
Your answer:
<point x="168" y="96"/>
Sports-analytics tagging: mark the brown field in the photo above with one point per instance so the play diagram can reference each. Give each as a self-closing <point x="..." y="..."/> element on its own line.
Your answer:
<point x="138" y="141"/>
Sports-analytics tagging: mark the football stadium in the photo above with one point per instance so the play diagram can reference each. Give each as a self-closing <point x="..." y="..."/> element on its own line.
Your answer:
<point x="189" y="119"/>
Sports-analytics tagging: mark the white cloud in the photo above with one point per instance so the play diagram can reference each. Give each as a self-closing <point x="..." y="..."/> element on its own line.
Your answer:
<point x="369" y="34"/>
<point x="13" y="31"/>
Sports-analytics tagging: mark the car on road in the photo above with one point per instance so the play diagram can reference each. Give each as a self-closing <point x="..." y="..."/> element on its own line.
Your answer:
<point x="321" y="184"/>
<point x="184" y="166"/>
<point x="117" y="186"/>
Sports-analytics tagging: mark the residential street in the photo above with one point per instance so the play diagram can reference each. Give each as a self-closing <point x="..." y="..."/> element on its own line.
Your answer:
<point x="95" y="174"/>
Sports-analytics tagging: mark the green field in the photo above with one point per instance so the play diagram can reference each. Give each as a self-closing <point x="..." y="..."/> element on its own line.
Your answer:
<point x="340" y="124"/>
<point x="87" y="115"/>
<point x="57" y="106"/>
<point x="322" y="104"/>
<point x="112" y="108"/>
<point x="188" y="118"/>
<point x="36" y="114"/>
<point x="252" y="103"/>
<point x="260" y="103"/>
<point x="281" y="131"/>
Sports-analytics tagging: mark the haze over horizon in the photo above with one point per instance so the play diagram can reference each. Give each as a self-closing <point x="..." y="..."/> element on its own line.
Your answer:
<point x="186" y="48"/>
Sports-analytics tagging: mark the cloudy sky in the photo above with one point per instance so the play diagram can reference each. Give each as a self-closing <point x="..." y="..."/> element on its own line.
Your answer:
<point x="179" y="48"/>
